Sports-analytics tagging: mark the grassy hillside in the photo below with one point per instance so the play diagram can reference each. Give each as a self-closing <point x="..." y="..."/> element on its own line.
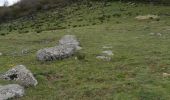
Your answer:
<point x="136" y="71"/>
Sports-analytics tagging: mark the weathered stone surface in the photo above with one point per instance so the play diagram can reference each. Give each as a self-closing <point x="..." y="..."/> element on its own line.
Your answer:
<point x="20" y="74"/>
<point x="55" y="53"/>
<point x="11" y="91"/>
<point x="68" y="45"/>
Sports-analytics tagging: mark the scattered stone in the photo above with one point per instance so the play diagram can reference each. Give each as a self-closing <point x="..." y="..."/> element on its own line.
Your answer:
<point x="152" y="33"/>
<point x="147" y="17"/>
<point x="158" y="34"/>
<point x="70" y="40"/>
<point x="166" y="75"/>
<point x="55" y="53"/>
<point x="20" y="74"/>
<point x="24" y="51"/>
<point x="107" y="47"/>
<point x="11" y="91"/>
<point x="68" y="45"/>
<point x="0" y="54"/>
<point x="108" y="53"/>
<point x="105" y="58"/>
<point x="137" y="37"/>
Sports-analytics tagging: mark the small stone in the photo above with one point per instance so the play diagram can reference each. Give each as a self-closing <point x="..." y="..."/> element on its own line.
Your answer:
<point x="147" y="17"/>
<point x="0" y="54"/>
<point x="107" y="47"/>
<point x="152" y="33"/>
<point x="105" y="58"/>
<point x="108" y="53"/>
<point x="25" y="51"/>
<point x="159" y="34"/>
<point x="11" y="91"/>
<point x="166" y="75"/>
<point x="20" y="74"/>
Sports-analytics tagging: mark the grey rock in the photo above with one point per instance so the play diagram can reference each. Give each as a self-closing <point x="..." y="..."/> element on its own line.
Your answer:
<point x="20" y="74"/>
<point x="55" y="53"/>
<point x="159" y="34"/>
<point x="11" y="91"/>
<point x="105" y="58"/>
<point x="152" y="33"/>
<point x="67" y="47"/>
<point x="108" y="53"/>
<point x="107" y="47"/>
<point x="0" y="54"/>
<point x="25" y="51"/>
<point x="147" y="17"/>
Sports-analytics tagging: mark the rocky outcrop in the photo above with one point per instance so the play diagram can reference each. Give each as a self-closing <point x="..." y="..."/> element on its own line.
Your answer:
<point x="20" y="74"/>
<point x="67" y="47"/>
<point x="11" y="91"/>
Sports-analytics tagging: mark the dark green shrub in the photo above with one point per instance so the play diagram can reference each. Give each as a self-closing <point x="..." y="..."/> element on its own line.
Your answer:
<point x="2" y="34"/>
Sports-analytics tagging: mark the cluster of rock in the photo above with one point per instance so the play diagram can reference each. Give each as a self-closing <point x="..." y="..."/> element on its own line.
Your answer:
<point x="67" y="47"/>
<point x="22" y="76"/>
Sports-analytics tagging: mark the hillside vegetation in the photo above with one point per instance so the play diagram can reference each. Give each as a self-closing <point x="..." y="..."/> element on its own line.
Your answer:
<point x="27" y="7"/>
<point x="140" y="66"/>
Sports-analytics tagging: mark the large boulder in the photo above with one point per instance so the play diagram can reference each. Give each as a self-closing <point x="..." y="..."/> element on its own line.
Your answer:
<point x="55" y="53"/>
<point x="20" y="74"/>
<point x="11" y="91"/>
<point x="67" y="47"/>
